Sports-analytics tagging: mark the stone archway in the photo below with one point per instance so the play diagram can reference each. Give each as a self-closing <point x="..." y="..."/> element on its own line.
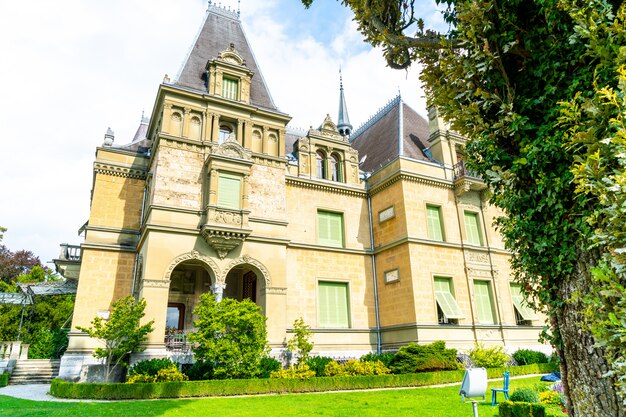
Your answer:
<point x="245" y="278"/>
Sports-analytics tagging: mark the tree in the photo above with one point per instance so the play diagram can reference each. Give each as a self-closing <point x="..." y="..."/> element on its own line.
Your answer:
<point x="121" y="333"/>
<point x="231" y="335"/>
<point x="538" y="89"/>
<point x="300" y="343"/>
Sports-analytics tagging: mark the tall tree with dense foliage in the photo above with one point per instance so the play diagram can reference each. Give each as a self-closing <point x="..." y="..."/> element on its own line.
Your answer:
<point x="231" y="336"/>
<point x="538" y="88"/>
<point x="122" y="333"/>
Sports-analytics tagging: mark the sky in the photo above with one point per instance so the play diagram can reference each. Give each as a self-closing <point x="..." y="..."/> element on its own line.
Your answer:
<point x="70" y="69"/>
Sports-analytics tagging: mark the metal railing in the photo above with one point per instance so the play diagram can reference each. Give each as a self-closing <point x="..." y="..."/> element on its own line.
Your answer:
<point x="176" y="341"/>
<point x="460" y="170"/>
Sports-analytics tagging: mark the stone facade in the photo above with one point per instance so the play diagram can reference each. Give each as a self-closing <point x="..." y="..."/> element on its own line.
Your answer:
<point x="221" y="203"/>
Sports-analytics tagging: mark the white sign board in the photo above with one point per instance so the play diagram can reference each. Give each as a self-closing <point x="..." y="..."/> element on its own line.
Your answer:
<point x="474" y="383"/>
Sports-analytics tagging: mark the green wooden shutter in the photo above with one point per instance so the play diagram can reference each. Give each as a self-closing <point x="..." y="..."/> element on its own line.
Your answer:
<point x="484" y="305"/>
<point x="445" y="299"/>
<point x="230" y="88"/>
<point x="520" y="304"/>
<point x="472" y="229"/>
<point x="333" y="304"/>
<point x="229" y="191"/>
<point x="433" y="215"/>
<point x="330" y="228"/>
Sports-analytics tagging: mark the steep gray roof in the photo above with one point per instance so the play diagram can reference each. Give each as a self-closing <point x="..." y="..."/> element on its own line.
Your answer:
<point x="378" y="137"/>
<point x="221" y="28"/>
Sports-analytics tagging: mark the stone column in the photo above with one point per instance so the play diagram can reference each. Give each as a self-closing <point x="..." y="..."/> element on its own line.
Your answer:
<point x="156" y="294"/>
<point x="206" y="131"/>
<point x="167" y="118"/>
<point x="216" y="128"/>
<point x="244" y="193"/>
<point x="265" y="140"/>
<point x="281" y="142"/>
<point x="240" y="131"/>
<point x="218" y="290"/>
<point x="213" y="187"/>
<point x="186" y="122"/>
<point x="247" y="132"/>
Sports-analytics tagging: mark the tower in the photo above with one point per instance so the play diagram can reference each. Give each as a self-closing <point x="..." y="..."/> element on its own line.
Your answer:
<point x="343" y="121"/>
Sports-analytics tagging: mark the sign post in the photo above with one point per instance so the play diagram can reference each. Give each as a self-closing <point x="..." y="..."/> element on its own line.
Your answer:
<point x="474" y="385"/>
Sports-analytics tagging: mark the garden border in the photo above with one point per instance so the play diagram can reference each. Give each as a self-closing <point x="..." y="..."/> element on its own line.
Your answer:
<point x="233" y="387"/>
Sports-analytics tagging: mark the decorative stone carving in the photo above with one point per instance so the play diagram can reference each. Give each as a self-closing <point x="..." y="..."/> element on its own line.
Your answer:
<point x="478" y="257"/>
<point x="156" y="283"/>
<point x="231" y="56"/>
<point x="248" y="260"/>
<point x="227" y="217"/>
<point x="223" y="241"/>
<point x="232" y="149"/>
<point x="195" y="255"/>
<point x="119" y="171"/>
<point x="274" y="291"/>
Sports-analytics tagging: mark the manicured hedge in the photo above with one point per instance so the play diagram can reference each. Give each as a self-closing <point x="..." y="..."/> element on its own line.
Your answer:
<point x="118" y="391"/>
<point x="4" y="379"/>
<point x="511" y="409"/>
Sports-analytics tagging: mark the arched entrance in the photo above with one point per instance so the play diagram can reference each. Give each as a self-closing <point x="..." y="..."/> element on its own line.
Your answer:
<point x="246" y="278"/>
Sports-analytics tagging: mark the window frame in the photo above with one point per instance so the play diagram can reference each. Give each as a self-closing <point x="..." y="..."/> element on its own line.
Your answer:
<point x="469" y="236"/>
<point x="220" y="189"/>
<point x="227" y="92"/>
<point x="492" y="310"/>
<point x="328" y="241"/>
<point x="524" y="315"/>
<point x="321" y="170"/>
<point x="440" y="225"/>
<point x="447" y="317"/>
<point x="348" y="316"/>
<point x="334" y="163"/>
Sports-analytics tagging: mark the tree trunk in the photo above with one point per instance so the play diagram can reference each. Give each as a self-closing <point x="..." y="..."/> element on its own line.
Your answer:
<point x="582" y="364"/>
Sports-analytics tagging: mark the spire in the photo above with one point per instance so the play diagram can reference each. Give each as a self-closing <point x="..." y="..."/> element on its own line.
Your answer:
<point x="343" y="121"/>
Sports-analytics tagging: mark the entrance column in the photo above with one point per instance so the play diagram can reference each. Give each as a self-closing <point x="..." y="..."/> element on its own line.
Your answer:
<point x="156" y="294"/>
<point x="218" y="290"/>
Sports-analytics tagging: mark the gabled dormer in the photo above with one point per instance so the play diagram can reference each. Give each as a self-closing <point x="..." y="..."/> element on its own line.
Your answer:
<point x="228" y="76"/>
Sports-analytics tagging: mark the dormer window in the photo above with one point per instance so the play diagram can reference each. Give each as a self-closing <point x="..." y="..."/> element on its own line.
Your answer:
<point x="230" y="88"/>
<point x="225" y="133"/>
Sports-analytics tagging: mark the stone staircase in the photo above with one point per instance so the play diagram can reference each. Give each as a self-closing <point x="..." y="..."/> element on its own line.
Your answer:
<point x="34" y="371"/>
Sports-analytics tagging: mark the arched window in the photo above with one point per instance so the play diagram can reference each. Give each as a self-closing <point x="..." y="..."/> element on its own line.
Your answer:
<point x="320" y="171"/>
<point x="335" y="167"/>
<point x="225" y="133"/>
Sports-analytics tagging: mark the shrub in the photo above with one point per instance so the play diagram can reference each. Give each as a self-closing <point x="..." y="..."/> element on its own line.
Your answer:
<point x="511" y="409"/>
<point x="527" y="356"/>
<point x="232" y="335"/>
<point x="299" y="371"/>
<point x="525" y="395"/>
<point x="421" y="358"/>
<point x="4" y="379"/>
<point x="48" y="344"/>
<point x="550" y="397"/>
<point x="155" y="370"/>
<point x="267" y="366"/>
<point x="199" y="371"/>
<point x="300" y="343"/>
<point x="493" y="357"/>
<point x="385" y="357"/>
<point x="318" y="363"/>
<point x="354" y="368"/>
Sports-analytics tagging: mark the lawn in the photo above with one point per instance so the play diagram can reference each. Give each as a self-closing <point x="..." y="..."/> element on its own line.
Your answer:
<point x="424" y="402"/>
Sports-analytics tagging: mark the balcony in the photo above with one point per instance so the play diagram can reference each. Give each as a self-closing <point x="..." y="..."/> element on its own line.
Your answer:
<point x="68" y="262"/>
<point x="465" y="180"/>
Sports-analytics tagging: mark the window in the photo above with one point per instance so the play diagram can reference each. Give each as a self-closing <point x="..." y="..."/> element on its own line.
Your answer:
<point x="230" y="88"/>
<point x="333" y="304"/>
<point x="335" y="168"/>
<point x="472" y="229"/>
<point x="320" y="165"/>
<point x="225" y="133"/>
<point x="484" y="303"/>
<point x="435" y="226"/>
<point x="448" y="310"/>
<point x="229" y="191"/>
<point x="330" y="228"/>
<point x="523" y="313"/>
<point x="175" y="316"/>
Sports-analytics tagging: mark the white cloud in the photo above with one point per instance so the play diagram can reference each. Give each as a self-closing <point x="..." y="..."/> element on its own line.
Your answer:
<point x="72" y="69"/>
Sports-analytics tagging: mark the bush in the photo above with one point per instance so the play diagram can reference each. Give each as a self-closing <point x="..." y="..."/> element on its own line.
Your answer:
<point x="527" y="356"/>
<point x="48" y="344"/>
<point x="354" y="368"/>
<point x="4" y="379"/>
<point x="493" y="357"/>
<point x="188" y="389"/>
<point x="318" y="363"/>
<point x="525" y="395"/>
<point x="424" y="358"/>
<point x="510" y="409"/>
<point x="200" y="371"/>
<point x="155" y="370"/>
<point x="385" y="357"/>
<point x="299" y="371"/>
<point x="267" y="366"/>
<point x="551" y="397"/>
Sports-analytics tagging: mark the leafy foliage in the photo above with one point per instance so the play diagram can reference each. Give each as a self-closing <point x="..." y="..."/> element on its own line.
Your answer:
<point x="299" y="371"/>
<point x="267" y="366"/>
<point x="526" y="395"/>
<point x="492" y="357"/>
<point x="318" y="363"/>
<point x="122" y="334"/>
<point x="420" y="358"/>
<point x="231" y="335"/>
<point x="155" y="370"/>
<point x="200" y="371"/>
<point x="551" y="397"/>
<point x="300" y="343"/>
<point x="354" y="368"/>
<point x="48" y="344"/>
<point x="521" y="409"/>
<point x="528" y="356"/>
<point x="385" y="357"/>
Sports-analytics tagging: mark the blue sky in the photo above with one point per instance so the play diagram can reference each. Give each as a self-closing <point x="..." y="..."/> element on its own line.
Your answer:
<point x="70" y="69"/>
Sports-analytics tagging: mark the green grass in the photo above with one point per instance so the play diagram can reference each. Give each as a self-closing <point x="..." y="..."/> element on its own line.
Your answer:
<point x="425" y="402"/>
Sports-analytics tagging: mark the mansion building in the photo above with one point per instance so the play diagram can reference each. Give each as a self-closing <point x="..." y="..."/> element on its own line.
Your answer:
<point x="376" y="236"/>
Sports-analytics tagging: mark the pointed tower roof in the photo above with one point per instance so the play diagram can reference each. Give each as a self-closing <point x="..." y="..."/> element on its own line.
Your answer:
<point x="343" y="120"/>
<point x="220" y="29"/>
<point x="394" y="130"/>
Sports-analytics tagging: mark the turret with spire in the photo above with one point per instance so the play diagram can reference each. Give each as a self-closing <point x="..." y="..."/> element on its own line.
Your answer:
<point x="343" y="121"/>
